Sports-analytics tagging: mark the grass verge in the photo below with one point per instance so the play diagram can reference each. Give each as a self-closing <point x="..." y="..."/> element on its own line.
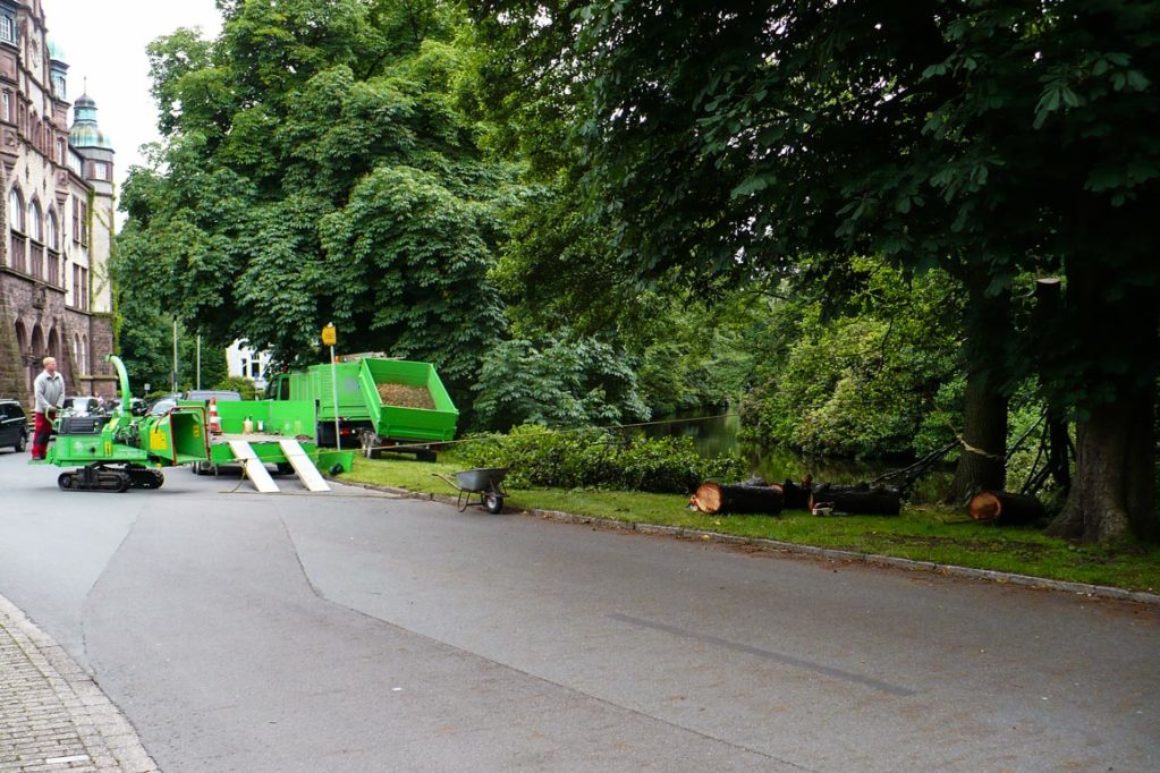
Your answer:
<point x="921" y="533"/>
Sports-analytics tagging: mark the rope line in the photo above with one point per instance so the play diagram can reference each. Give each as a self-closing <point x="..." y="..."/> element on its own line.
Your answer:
<point x="426" y="446"/>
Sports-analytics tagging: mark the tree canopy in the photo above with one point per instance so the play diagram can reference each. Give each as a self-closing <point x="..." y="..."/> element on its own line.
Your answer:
<point x="314" y="169"/>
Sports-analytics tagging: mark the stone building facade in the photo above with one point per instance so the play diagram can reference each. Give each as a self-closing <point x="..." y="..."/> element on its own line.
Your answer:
<point x="58" y="220"/>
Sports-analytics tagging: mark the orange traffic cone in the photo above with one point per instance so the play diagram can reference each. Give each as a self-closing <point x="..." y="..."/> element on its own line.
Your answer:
<point x="215" y="421"/>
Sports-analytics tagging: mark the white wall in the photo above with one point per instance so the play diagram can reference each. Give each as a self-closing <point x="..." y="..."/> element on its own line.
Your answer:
<point x="245" y="362"/>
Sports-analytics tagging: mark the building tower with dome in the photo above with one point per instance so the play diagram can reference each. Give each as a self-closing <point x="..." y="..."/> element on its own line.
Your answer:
<point x="55" y="292"/>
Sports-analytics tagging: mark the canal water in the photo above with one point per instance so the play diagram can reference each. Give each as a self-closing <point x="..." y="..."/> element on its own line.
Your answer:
<point x="718" y="435"/>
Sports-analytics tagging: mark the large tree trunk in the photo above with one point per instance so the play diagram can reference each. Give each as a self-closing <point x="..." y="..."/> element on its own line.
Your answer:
<point x="982" y="463"/>
<point x="1113" y="492"/>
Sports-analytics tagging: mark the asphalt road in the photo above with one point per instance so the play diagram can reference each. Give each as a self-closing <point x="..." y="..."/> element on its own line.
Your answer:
<point x="356" y="632"/>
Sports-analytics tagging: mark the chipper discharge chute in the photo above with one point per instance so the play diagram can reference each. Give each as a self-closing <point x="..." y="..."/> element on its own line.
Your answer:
<point x="121" y="451"/>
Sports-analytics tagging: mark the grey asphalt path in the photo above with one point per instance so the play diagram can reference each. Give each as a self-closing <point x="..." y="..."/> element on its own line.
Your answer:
<point x="353" y="631"/>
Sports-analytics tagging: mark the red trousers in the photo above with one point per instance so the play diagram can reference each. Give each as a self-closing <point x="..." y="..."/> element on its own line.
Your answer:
<point x="41" y="433"/>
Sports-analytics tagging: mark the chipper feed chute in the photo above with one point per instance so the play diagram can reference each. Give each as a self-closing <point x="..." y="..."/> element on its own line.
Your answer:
<point x="121" y="451"/>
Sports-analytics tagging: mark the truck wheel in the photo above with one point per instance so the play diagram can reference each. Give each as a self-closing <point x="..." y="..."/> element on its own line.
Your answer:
<point x="65" y="481"/>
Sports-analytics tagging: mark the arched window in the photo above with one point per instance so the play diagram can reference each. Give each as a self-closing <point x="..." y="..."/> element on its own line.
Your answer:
<point x="35" y="221"/>
<point x="52" y="231"/>
<point x="16" y="210"/>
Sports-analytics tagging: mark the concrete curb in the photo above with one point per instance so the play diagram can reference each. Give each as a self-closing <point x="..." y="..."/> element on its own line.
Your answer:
<point x="110" y="742"/>
<point x="946" y="570"/>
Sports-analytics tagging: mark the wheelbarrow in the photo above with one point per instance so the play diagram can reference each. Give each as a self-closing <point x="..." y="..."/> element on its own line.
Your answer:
<point x="484" y="481"/>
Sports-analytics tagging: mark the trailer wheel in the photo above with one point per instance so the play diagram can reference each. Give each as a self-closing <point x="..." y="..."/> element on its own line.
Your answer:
<point x="493" y="502"/>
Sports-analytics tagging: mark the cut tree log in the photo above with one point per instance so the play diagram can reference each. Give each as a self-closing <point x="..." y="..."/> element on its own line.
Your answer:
<point x="721" y="499"/>
<point x="1005" y="508"/>
<point x="861" y="499"/>
<point x="797" y="497"/>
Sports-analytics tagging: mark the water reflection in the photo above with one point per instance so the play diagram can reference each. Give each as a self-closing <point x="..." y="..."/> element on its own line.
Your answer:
<point x="721" y="435"/>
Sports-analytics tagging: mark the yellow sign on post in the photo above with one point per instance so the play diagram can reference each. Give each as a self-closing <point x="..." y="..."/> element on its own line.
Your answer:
<point x="330" y="338"/>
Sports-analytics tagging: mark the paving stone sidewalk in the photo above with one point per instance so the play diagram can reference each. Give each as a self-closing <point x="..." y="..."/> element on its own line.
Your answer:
<point x="53" y="716"/>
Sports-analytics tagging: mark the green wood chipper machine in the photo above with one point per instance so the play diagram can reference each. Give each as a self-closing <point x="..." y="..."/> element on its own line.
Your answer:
<point x="120" y="451"/>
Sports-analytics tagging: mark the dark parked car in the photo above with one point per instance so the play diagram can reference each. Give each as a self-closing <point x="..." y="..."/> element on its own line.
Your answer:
<point x="162" y="405"/>
<point x="137" y="406"/>
<point x="13" y="425"/>
<point x="82" y="405"/>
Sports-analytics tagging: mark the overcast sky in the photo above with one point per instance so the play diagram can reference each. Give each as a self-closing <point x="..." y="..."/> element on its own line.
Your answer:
<point x="104" y="40"/>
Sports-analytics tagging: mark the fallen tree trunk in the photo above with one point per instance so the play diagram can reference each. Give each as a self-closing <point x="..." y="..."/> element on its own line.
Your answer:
<point x="857" y="500"/>
<point x="797" y="497"/>
<point x="1005" y="508"/>
<point x="720" y="499"/>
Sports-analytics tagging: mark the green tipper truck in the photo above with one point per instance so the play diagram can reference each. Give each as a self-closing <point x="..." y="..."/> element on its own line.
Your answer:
<point x="368" y="415"/>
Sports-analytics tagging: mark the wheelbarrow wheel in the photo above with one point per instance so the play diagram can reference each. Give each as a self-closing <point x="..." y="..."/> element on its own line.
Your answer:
<point x="493" y="503"/>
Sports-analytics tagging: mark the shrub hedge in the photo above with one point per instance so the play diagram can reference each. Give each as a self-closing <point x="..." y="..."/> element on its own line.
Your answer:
<point x="600" y="458"/>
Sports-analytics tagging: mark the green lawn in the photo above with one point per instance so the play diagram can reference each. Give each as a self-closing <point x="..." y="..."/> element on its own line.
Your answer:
<point x="920" y="533"/>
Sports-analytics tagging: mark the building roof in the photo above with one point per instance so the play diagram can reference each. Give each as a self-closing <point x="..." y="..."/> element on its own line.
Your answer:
<point x="85" y="132"/>
<point x="56" y="52"/>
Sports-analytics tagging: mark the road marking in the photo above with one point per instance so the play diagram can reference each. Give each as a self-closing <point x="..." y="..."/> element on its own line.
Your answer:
<point x="788" y="660"/>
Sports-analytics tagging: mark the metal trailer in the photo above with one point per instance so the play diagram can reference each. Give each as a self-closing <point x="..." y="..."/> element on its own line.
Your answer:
<point x="270" y="423"/>
<point x="363" y="418"/>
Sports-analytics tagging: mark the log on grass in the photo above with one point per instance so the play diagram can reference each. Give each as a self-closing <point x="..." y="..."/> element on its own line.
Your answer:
<point x="721" y="499"/>
<point x="860" y="499"/>
<point x="1005" y="508"/>
<point x="797" y="497"/>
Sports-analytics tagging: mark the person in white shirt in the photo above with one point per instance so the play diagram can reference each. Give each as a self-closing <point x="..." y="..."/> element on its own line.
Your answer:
<point x="48" y="390"/>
